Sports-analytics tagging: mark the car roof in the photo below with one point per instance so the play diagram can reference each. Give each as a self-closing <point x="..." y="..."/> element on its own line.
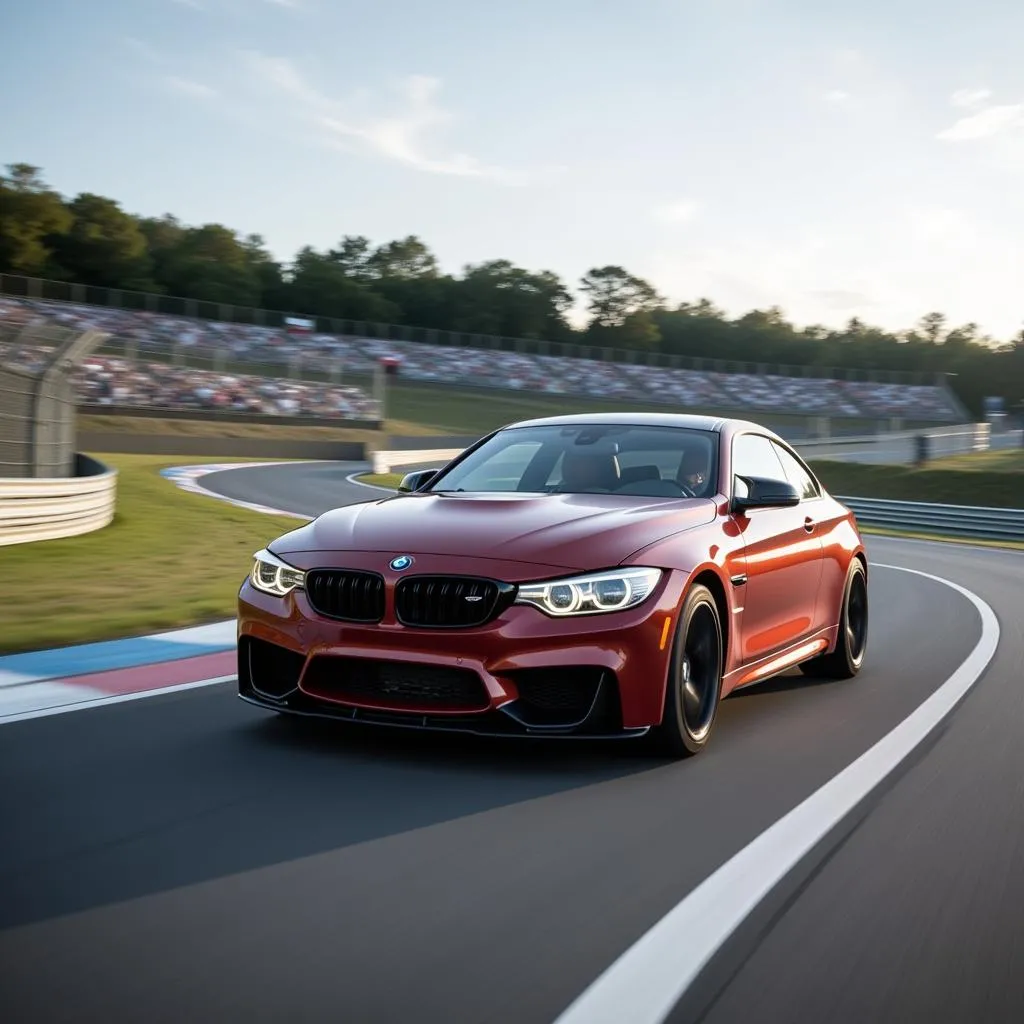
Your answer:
<point x="692" y="421"/>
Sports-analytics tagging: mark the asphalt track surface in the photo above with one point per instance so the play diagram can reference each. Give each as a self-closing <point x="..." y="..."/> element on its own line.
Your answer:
<point x="308" y="488"/>
<point x="189" y="857"/>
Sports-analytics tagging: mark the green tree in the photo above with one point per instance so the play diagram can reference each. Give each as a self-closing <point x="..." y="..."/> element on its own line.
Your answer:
<point x="32" y="216"/>
<point x="932" y="326"/>
<point x="500" y="298"/>
<point x="269" y="273"/>
<point x="613" y="294"/>
<point x="104" y="246"/>
<point x="403" y="260"/>
<point x="320" y="285"/>
<point x="354" y="255"/>
<point x="211" y="264"/>
<point x="163" y="238"/>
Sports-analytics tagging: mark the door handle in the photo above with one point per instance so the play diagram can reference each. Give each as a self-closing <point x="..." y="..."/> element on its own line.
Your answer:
<point x="809" y="524"/>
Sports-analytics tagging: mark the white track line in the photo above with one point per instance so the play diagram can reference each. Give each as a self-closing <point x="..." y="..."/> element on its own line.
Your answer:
<point x="120" y="698"/>
<point x="649" y="979"/>
<point x="351" y="478"/>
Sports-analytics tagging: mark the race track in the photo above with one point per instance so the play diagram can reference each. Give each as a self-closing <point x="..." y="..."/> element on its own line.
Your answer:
<point x="308" y="488"/>
<point x="189" y="857"/>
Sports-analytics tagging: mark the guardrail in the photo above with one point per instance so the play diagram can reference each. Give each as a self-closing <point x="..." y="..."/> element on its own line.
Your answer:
<point x="42" y="508"/>
<point x="977" y="522"/>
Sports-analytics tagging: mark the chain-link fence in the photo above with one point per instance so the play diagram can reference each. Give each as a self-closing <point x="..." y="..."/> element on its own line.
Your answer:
<point x="37" y="396"/>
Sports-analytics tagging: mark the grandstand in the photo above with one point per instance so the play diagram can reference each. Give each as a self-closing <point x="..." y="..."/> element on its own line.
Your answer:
<point x="156" y="359"/>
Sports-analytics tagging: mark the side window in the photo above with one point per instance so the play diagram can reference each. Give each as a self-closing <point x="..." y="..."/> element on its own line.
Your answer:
<point x="753" y="455"/>
<point x="798" y="476"/>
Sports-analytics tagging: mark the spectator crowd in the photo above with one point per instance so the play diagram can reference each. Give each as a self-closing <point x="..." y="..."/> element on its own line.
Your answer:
<point x="157" y="355"/>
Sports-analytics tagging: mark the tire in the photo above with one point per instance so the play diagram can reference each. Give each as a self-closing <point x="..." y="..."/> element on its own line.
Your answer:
<point x="694" y="686"/>
<point x="851" y="643"/>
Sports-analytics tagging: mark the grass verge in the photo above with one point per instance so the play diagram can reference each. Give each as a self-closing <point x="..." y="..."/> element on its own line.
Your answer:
<point x="389" y="480"/>
<point x="169" y="559"/>
<point x="92" y="423"/>
<point x="994" y="481"/>
<point x="942" y="538"/>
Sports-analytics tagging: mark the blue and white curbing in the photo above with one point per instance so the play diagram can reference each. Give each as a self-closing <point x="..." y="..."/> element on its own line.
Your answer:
<point x="109" y="655"/>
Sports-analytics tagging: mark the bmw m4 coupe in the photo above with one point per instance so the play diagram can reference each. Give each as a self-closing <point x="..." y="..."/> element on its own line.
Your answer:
<point x="594" y="575"/>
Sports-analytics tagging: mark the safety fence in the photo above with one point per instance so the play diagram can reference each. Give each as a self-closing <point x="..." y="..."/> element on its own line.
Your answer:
<point x="33" y="509"/>
<point x="975" y="522"/>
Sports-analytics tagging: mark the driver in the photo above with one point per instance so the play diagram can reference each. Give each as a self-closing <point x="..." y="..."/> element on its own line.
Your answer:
<point x="695" y="469"/>
<point x="590" y="470"/>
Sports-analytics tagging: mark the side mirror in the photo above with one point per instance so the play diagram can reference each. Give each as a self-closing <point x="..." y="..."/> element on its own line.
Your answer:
<point x="414" y="481"/>
<point x="763" y="493"/>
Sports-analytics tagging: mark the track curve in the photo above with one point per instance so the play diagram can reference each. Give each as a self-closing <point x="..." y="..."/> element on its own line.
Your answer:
<point x="305" y="488"/>
<point x="198" y="858"/>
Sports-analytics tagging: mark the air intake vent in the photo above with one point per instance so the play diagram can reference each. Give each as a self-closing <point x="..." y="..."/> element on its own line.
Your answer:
<point x="395" y="684"/>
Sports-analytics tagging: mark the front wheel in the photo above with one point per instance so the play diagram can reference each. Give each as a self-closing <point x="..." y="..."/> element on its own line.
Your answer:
<point x="851" y="643"/>
<point x="694" y="684"/>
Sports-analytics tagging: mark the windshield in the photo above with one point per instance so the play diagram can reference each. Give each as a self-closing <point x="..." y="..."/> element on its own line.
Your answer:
<point x="656" y="462"/>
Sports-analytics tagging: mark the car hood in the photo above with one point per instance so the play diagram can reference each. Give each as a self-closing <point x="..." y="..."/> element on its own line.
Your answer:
<point x="571" y="531"/>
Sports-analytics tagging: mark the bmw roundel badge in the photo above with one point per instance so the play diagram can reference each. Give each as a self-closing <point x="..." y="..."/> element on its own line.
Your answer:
<point x="401" y="562"/>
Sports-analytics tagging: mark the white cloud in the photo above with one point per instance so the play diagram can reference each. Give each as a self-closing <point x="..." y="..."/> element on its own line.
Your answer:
<point x="678" y="212"/>
<point x="409" y="135"/>
<point x="194" y="4"/>
<point x="837" y="96"/>
<point x="986" y="123"/>
<point x="965" y="98"/>
<point x="889" y="269"/>
<point x="188" y="87"/>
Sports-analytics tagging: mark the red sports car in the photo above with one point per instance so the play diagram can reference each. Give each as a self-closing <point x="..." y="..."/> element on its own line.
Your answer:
<point x="594" y="575"/>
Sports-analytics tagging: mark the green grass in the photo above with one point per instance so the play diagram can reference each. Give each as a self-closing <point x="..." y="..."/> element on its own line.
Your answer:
<point x="169" y="559"/>
<point x="457" y="411"/>
<point x="391" y="480"/>
<point x="1006" y="460"/>
<point x="100" y="424"/>
<point x="997" y="481"/>
<point x="879" y="531"/>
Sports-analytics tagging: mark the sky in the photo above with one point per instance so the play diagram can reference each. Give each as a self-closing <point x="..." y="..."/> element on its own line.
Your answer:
<point x="834" y="158"/>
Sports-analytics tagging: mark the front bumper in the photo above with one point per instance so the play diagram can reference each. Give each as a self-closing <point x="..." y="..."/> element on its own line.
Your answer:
<point x="524" y="673"/>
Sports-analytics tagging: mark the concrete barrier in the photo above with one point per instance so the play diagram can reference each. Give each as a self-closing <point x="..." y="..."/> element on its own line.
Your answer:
<point x="225" y="416"/>
<point x="261" y="449"/>
<point x="43" y="508"/>
<point x="384" y="462"/>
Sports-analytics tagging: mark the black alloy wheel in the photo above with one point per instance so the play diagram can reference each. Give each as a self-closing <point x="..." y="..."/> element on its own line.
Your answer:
<point x="694" y="684"/>
<point x="852" y="641"/>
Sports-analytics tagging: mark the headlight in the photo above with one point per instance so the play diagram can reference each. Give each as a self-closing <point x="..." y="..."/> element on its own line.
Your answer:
<point x="273" y="576"/>
<point x="611" y="591"/>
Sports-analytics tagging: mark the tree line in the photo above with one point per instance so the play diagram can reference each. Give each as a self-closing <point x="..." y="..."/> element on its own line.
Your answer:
<point x="91" y="240"/>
